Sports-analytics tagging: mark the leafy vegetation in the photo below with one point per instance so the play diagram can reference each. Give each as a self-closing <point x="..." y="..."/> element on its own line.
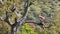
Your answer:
<point x="48" y="8"/>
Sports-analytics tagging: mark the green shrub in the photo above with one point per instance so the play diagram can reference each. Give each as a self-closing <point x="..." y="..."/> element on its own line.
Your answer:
<point x="26" y="29"/>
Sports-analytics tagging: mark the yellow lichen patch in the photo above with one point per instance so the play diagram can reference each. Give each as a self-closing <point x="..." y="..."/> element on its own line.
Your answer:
<point x="58" y="8"/>
<point x="13" y="16"/>
<point x="47" y="7"/>
<point x="37" y="9"/>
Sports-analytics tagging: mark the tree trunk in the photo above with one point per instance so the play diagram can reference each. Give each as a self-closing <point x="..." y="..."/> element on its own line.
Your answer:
<point x="14" y="30"/>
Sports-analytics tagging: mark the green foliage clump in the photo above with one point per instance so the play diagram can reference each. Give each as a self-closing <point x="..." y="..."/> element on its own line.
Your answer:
<point x="26" y="29"/>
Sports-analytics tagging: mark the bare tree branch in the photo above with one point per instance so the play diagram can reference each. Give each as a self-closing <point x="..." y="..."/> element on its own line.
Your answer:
<point x="7" y="18"/>
<point x="22" y="19"/>
<point x="13" y="25"/>
<point x="25" y="8"/>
